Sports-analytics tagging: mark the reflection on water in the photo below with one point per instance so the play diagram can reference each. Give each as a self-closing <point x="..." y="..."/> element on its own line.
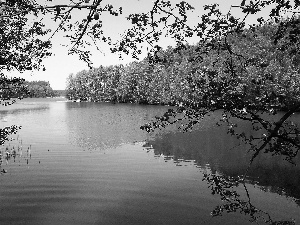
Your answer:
<point x="221" y="153"/>
<point x="14" y="152"/>
<point x="116" y="182"/>
<point x="104" y="125"/>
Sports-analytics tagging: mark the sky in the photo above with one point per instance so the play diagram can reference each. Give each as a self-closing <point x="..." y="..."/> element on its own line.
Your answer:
<point x="60" y="64"/>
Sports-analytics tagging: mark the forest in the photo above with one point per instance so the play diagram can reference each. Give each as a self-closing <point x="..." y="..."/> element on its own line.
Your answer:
<point x="264" y="74"/>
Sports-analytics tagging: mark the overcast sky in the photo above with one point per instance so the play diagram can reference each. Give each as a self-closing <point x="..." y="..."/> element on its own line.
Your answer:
<point x="60" y="65"/>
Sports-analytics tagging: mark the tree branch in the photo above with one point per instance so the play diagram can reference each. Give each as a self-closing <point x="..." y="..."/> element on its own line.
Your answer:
<point x="273" y="133"/>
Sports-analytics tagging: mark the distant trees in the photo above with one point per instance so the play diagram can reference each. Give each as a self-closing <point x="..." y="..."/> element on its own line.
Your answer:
<point x="59" y="93"/>
<point x="158" y="79"/>
<point x="19" y="88"/>
<point x="39" y="89"/>
<point x="264" y="76"/>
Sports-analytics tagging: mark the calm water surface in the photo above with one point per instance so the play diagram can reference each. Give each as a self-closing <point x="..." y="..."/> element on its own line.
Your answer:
<point x="89" y="163"/>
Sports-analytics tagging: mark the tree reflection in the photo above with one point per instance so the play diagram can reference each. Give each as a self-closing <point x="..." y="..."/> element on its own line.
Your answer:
<point x="223" y="165"/>
<point x="13" y="152"/>
<point x="225" y="186"/>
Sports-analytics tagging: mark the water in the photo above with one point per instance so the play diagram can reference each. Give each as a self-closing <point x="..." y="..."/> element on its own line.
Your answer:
<point x="89" y="163"/>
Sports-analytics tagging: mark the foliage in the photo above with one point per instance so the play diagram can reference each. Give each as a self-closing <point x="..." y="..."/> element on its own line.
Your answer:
<point x="39" y="89"/>
<point x="176" y="75"/>
<point x="21" y="45"/>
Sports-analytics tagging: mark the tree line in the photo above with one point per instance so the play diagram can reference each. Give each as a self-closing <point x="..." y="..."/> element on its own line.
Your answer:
<point x="264" y="74"/>
<point x="32" y="89"/>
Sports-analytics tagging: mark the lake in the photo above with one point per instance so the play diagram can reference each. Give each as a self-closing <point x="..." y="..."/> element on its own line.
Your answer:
<point x="89" y="163"/>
